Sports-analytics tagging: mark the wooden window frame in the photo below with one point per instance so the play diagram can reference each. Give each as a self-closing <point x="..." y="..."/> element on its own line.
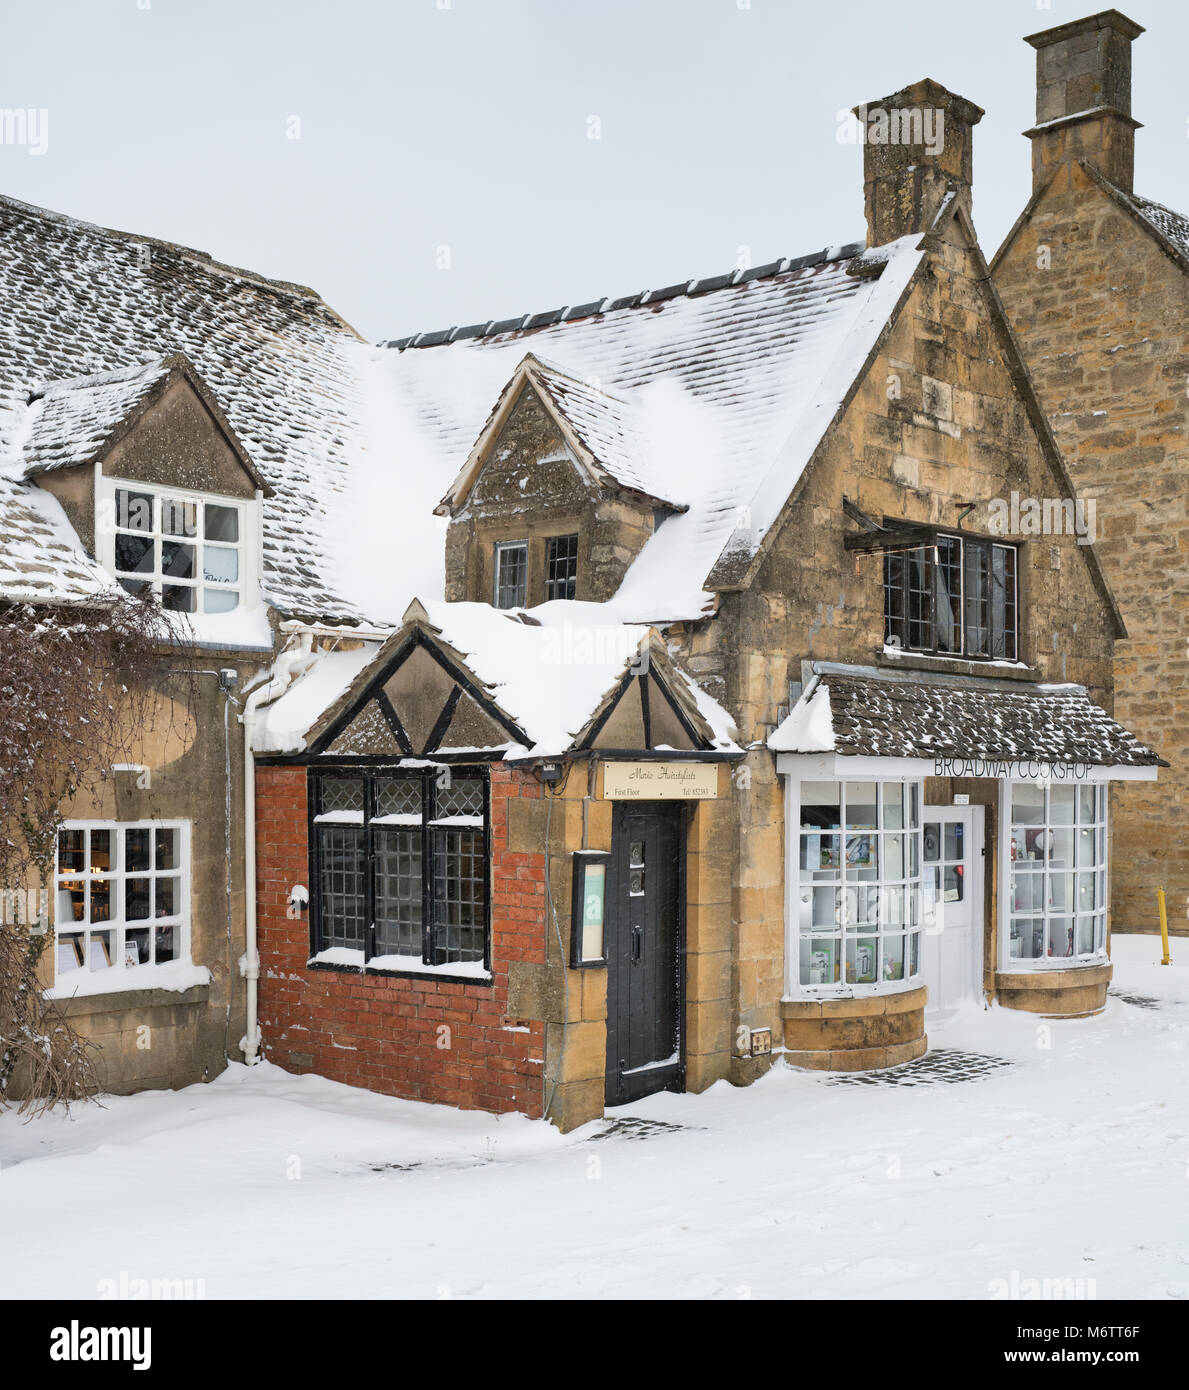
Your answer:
<point x="917" y="609"/>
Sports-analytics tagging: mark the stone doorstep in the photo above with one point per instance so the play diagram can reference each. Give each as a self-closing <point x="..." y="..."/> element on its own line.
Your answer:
<point x="83" y="1006"/>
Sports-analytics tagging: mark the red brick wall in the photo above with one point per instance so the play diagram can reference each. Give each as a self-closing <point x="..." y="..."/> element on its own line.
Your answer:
<point x="381" y="1032"/>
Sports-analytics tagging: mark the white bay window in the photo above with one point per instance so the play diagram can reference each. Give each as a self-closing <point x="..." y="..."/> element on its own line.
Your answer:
<point x="858" y="900"/>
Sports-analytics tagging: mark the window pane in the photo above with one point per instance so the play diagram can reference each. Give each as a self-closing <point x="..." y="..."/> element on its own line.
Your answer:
<point x="820" y="960"/>
<point x="892" y="955"/>
<point x="1061" y="936"/>
<point x="136" y="850"/>
<point x="398" y="893"/>
<point x="137" y="895"/>
<point x="893" y="805"/>
<point x="71" y="951"/>
<point x="177" y="560"/>
<point x="1003" y="602"/>
<point x="222" y="523"/>
<point x="341" y="861"/>
<point x="220" y="600"/>
<point x="460" y="895"/>
<point x="1027" y="938"/>
<point x="1061" y="804"/>
<point x="821" y="805"/>
<point x="919" y="565"/>
<point x="342" y="794"/>
<point x="168" y="897"/>
<point x="72" y="851"/>
<point x="137" y="946"/>
<point x="932" y="842"/>
<point x="101" y="900"/>
<point x="398" y="796"/>
<point x="100" y="856"/>
<point x="220" y="564"/>
<point x="463" y="797"/>
<point x="166" y="849"/>
<point x="134" y="510"/>
<point x="561" y="567"/>
<point x="895" y="612"/>
<point x="978" y="600"/>
<point x="179" y="518"/>
<point x="860" y="806"/>
<point x="862" y="959"/>
<point x="176" y="599"/>
<point x="1027" y="804"/>
<point x="165" y="944"/>
<point x="954" y="845"/>
<point x="511" y="575"/>
<point x="947" y="580"/>
<point x="134" y="554"/>
<point x="99" y="950"/>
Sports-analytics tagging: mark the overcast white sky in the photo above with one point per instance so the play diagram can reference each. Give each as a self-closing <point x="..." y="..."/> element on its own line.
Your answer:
<point x="465" y="124"/>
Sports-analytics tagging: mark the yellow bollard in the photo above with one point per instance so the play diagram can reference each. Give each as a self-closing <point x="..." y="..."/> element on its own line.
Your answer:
<point x="1167" y="960"/>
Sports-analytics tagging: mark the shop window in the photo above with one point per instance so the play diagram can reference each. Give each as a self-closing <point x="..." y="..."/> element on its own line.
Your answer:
<point x="561" y="567"/>
<point x="1058" y="852"/>
<point x="859" y="885"/>
<point x="121" y="896"/>
<point x="184" y="549"/>
<point x="511" y="574"/>
<point x="955" y="597"/>
<point x="400" y="867"/>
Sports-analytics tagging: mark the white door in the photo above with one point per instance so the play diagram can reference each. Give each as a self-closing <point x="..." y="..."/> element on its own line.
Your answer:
<point x="952" y="892"/>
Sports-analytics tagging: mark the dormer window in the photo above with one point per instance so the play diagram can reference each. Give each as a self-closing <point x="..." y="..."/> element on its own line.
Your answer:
<point x="185" y="548"/>
<point x="511" y="574"/>
<point x="561" y="567"/>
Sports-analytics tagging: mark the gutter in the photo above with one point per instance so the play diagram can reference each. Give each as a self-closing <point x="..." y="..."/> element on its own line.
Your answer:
<point x="296" y="653"/>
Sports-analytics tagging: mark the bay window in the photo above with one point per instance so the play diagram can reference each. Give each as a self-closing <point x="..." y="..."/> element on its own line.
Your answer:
<point x="957" y="596"/>
<point x="859" y="885"/>
<point x="121" y="896"/>
<point x="1057" y="849"/>
<point x="399" y="868"/>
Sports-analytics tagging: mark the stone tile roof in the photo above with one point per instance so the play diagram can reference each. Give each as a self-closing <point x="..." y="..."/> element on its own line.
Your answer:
<point x="80" y="300"/>
<point x="70" y="422"/>
<point x="873" y="715"/>
<point x="741" y="375"/>
<point x="40" y="557"/>
<point x="1171" y="225"/>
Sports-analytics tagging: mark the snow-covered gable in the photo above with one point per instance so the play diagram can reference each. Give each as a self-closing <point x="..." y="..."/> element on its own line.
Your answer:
<point x="545" y="683"/>
<point x="731" y="384"/>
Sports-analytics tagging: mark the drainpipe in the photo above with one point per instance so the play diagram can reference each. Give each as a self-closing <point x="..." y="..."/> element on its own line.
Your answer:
<point x="296" y="653"/>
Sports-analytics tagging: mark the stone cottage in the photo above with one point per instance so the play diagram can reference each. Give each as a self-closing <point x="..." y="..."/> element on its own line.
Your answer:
<point x="852" y="767"/>
<point x="1095" y="279"/>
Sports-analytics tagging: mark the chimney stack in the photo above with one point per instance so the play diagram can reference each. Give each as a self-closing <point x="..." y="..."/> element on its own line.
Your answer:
<point x="917" y="144"/>
<point x="1083" y="98"/>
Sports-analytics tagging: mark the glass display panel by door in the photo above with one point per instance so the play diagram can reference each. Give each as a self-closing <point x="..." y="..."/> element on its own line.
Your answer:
<point x="859" y="872"/>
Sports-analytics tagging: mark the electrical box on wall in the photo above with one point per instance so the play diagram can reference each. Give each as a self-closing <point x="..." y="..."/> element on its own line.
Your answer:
<point x="761" y="1042"/>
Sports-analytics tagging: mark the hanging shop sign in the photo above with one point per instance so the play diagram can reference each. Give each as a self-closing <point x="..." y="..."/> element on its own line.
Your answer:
<point x="660" y="781"/>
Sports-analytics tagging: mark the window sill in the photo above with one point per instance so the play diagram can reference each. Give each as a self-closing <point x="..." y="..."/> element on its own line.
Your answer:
<point x="349" y="962"/>
<point x="1053" y="965"/>
<point x="900" y="658"/>
<point x="821" y="994"/>
<point x="118" y="988"/>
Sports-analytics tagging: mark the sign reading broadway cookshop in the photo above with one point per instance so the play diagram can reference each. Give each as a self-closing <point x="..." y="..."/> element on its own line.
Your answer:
<point x="1021" y="770"/>
<point x="660" y="781"/>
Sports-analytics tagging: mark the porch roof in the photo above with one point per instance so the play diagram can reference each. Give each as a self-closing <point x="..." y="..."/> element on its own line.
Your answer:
<point x="865" y="712"/>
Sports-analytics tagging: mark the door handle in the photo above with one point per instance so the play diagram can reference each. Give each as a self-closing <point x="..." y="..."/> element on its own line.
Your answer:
<point x="637" y="940"/>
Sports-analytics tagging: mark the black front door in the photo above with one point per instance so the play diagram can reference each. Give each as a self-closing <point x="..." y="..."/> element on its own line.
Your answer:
<point x="645" y="949"/>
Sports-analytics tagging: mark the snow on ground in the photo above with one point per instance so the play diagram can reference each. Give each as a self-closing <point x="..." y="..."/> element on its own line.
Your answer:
<point x="1071" y="1163"/>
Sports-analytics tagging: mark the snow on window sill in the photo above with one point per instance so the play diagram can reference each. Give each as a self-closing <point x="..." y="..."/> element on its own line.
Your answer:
<point x="1020" y="965"/>
<point x="340" y="818"/>
<point x="348" y="958"/>
<point x="808" y="994"/>
<point x="458" y="822"/>
<point x="175" y="976"/>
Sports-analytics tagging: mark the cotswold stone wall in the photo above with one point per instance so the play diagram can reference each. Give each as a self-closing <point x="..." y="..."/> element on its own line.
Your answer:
<point x="1103" y="316"/>
<point x="936" y="423"/>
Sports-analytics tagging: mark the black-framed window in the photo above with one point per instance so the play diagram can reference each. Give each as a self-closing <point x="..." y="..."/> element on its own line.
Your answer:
<point x="957" y="596"/>
<point x="511" y="574"/>
<point x="400" y="866"/>
<point x="561" y="567"/>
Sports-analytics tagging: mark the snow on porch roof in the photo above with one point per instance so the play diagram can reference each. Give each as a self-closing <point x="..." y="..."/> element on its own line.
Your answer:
<point x="739" y="376"/>
<point x="863" y="712"/>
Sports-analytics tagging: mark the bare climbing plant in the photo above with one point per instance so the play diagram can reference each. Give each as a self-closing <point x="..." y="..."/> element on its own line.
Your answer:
<point x="80" y="689"/>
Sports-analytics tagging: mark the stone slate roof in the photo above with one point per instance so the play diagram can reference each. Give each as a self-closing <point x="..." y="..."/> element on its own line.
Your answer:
<point x="919" y="717"/>
<point x="740" y="375"/>
<point x="70" y="422"/>
<point x="79" y="300"/>
<point x="1171" y="225"/>
<point x="40" y="556"/>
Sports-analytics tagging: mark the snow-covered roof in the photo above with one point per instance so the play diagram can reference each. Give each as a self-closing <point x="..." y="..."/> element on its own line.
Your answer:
<point x="40" y="556"/>
<point x="864" y="712"/>
<point x="728" y="385"/>
<point x="550" y="675"/>
<point x="1171" y="225"/>
<point x="78" y="300"/>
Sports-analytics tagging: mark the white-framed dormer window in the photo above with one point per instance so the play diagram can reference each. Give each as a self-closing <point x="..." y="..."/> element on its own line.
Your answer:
<point x="121" y="898"/>
<point x="194" y="551"/>
<point x="511" y="574"/>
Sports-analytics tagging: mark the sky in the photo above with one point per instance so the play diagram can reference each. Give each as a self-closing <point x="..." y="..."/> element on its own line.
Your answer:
<point x="423" y="163"/>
